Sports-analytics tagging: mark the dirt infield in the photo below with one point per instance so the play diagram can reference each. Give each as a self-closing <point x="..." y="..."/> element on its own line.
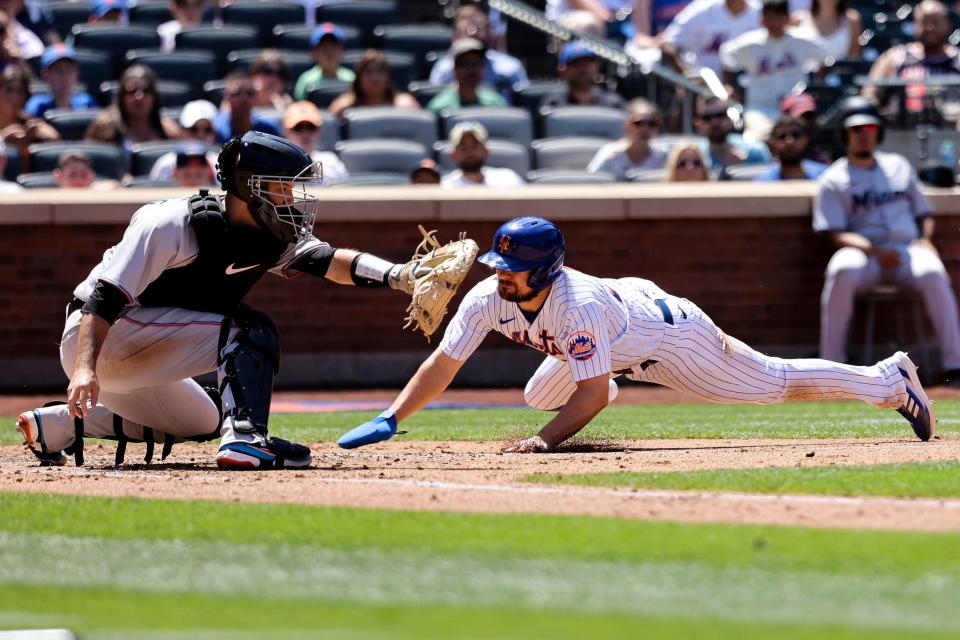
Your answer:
<point x="474" y="477"/>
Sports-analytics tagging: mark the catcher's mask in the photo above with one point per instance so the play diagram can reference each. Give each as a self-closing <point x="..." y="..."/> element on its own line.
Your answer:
<point x="528" y="244"/>
<point x="273" y="176"/>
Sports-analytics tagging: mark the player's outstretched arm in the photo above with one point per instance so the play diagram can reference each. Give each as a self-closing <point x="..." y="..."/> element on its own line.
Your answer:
<point x="434" y="375"/>
<point x="591" y="396"/>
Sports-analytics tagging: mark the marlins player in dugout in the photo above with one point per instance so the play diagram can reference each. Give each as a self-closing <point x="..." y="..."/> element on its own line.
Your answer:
<point x="164" y="305"/>
<point x="593" y="329"/>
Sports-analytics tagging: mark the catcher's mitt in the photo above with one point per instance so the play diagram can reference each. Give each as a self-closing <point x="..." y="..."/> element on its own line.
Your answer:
<point x="432" y="277"/>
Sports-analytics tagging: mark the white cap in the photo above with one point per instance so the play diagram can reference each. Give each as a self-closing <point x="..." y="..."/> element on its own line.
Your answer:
<point x="3" y="146"/>
<point x="195" y="111"/>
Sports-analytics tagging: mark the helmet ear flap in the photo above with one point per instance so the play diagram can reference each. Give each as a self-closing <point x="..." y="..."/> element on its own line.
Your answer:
<point x="227" y="166"/>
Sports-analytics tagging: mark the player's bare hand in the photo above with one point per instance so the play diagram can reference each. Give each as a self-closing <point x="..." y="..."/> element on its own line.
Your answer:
<point x="83" y="392"/>
<point x="533" y="444"/>
<point x="888" y="258"/>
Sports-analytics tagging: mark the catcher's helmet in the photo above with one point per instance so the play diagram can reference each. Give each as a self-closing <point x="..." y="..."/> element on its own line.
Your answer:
<point x="528" y="244"/>
<point x="247" y="167"/>
<point x="856" y="111"/>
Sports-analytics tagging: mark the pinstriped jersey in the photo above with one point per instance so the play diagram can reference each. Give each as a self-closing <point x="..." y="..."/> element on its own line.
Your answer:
<point x="596" y="325"/>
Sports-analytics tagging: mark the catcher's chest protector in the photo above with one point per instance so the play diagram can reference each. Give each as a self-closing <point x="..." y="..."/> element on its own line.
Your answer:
<point x="230" y="261"/>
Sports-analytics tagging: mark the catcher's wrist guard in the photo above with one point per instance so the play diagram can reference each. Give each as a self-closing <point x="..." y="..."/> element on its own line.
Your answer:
<point x="372" y="272"/>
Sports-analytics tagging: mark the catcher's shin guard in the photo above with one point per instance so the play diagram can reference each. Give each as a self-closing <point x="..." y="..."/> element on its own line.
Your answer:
<point x="247" y="368"/>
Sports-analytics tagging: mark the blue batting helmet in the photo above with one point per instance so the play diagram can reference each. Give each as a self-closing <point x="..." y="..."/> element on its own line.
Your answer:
<point x="528" y="244"/>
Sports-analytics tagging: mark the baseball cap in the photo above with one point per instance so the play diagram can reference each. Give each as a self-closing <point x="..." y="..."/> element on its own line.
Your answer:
<point x="574" y="50"/>
<point x="56" y="53"/>
<point x="302" y="111"/>
<point x="797" y="104"/>
<point x="425" y="165"/>
<point x="195" y="111"/>
<point x="472" y="127"/>
<point x="191" y="152"/>
<point x="103" y="7"/>
<point x="461" y="46"/>
<point x="859" y="119"/>
<point x="324" y="30"/>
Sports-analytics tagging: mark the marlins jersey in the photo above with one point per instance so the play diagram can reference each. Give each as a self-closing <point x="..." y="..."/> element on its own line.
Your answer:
<point x="881" y="203"/>
<point x="596" y="325"/>
<point x="160" y="241"/>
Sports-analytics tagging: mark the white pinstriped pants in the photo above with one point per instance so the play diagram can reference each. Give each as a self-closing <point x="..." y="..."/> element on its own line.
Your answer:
<point x="695" y="357"/>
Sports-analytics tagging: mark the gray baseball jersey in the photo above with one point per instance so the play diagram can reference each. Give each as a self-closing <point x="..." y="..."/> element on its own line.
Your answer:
<point x="881" y="203"/>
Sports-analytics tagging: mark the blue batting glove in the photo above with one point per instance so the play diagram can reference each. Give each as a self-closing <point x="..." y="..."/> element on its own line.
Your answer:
<point x="381" y="428"/>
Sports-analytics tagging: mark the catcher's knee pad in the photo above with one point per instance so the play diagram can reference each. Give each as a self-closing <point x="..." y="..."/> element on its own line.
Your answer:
<point x="248" y="365"/>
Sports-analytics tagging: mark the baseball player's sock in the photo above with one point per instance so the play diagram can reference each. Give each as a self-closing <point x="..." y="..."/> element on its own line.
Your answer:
<point x="275" y="453"/>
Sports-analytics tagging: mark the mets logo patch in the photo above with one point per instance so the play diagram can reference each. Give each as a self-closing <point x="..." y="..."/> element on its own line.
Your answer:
<point x="581" y="346"/>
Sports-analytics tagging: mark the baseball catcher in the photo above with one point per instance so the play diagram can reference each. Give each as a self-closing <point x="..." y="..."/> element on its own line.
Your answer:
<point x="165" y="305"/>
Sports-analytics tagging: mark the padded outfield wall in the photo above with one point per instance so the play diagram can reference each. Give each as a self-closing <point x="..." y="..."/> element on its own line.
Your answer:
<point x="745" y="253"/>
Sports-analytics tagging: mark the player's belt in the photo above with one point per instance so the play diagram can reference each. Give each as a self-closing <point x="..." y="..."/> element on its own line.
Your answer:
<point x="665" y="310"/>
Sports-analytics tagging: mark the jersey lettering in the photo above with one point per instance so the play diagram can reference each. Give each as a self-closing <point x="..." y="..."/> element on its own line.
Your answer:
<point x="547" y="344"/>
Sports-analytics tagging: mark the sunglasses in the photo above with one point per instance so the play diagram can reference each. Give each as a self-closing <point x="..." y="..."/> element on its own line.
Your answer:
<point x="795" y="134"/>
<point x="243" y="92"/>
<point x="689" y="164"/>
<point x="645" y="122"/>
<point x="715" y="115"/>
<point x="134" y="88"/>
<point x="862" y="128"/>
<point x="305" y="127"/>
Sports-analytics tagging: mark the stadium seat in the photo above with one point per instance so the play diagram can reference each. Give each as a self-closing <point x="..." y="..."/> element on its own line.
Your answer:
<point x="330" y="135"/>
<point x="503" y="153"/>
<point x="296" y="37"/>
<point x="147" y="183"/>
<point x="12" y="169"/>
<point x="363" y="14"/>
<point x="107" y="159"/>
<point x="263" y="14"/>
<point x="150" y="12"/>
<point x="416" y="39"/>
<point x="96" y="67"/>
<point x="504" y="123"/>
<point x="39" y="86"/>
<point x="594" y="122"/>
<point x="362" y="123"/>
<point x="67" y="13"/>
<point x="529" y="96"/>
<point x="173" y="93"/>
<point x="565" y="153"/>
<point x="38" y="180"/>
<point x="297" y="61"/>
<point x="568" y="176"/>
<point x="744" y="172"/>
<point x="70" y="124"/>
<point x="219" y="41"/>
<point x="666" y="142"/>
<point x="378" y="156"/>
<point x="193" y="67"/>
<point x="646" y="175"/>
<point x="326" y="93"/>
<point x="371" y="179"/>
<point x="424" y="92"/>
<point x="115" y="40"/>
<point x="843" y="71"/>
<point x="213" y="91"/>
<point x="145" y="154"/>
<point x="403" y="68"/>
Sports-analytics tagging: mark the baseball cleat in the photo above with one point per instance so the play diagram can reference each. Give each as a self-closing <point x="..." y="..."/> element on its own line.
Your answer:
<point x="27" y="426"/>
<point x="276" y="454"/>
<point x="918" y="409"/>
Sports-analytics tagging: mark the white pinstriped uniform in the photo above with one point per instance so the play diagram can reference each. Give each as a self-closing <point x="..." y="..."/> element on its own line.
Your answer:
<point x="591" y="327"/>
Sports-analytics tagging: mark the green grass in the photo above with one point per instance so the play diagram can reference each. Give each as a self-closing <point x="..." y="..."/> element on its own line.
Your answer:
<point x="112" y="568"/>
<point x="797" y="420"/>
<point x="927" y="479"/>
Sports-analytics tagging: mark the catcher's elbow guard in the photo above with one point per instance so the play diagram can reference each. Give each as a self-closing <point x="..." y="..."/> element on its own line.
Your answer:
<point x="369" y="271"/>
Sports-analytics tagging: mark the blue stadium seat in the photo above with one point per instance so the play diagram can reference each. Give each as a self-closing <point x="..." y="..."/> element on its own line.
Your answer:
<point x="150" y="12"/>
<point x="373" y="179"/>
<point x="583" y="121"/>
<point x="568" y="176"/>
<point x="361" y="123"/>
<point x="37" y="180"/>
<point x="363" y="14"/>
<point x="213" y="91"/>
<point x="67" y="13"/>
<point x="173" y="93"/>
<point x="529" y="96"/>
<point x="115" y="40"/>
<point x="12" y="169"/>
<point x="70" y="124"/>
<point x="107" y="159"/>
<point x="219" y="41"/>
<point x="565" y="153"/>
<point x="744" y="172"/>
<point x="424" y="92"/>
<point x="297" y="36"/>
<point x="330" y="135"/>
<point x="503" y="153"/>
<point x="378" y="156"/>
<point x="327" y="92"/>
<point x="148" y="183"/>
<point x="297" y="61"/>
<point x="504" y="123"/>
<point x="193" y="67"/>
<point x="647" y="175"/>
<point x="96" y="67"/>
<point x="145" y="154"/>
<point x="263" y="14"/>
<point x="416" y="39"/>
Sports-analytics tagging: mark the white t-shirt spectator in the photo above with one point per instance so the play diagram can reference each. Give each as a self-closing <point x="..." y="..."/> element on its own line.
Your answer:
<point x="9" y="187"/>
<point x="334" y="172"/>
<point x="27" y="41"/>
<point x="613" y="158"/>
<point x="556" y="8"/>
<point x="772" y="66"/>
<point x="492" y="177"/>
<point x="163" y="168"/>
<point x="704" y="25"/>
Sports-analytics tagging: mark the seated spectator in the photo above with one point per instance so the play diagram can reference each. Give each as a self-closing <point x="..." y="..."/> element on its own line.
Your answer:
<point x="303" y="125"/>
<point x="425" y="173"/>
<point x="75" y="171"/>
<point x="929" y="57"/>
<point x="469" y="152"/>
<point x="466" y="90"/>
<point x="580" y="68"/>
<point x="17" y="128"/>
<point x="686" y="163"/>
<point x="236" y="115"/>
<point x="21" y="41"/>
<point x="60" y="69"/>
<point x="633" y="151"/>
<point x="803" y="106"/>
<point x="696" y="34"/>
<point x="788" y="141"/>
<point x="186" y="13"/>
<point x="196" y="124"/>
<point x="326" y="46"/>
<point x="192" y="168"/>
<point x="726" y="148"/>
<point x="35" y="16"/>
<point x="134" y="116"/>
<point x="499" y="70"/>
<point x="109" y="12"/>
<point x="271" y="77"/>
<point x="832" y="24"/>
<point x="372" y="87"/>
<point x="6" y="186"/>
<point x="773" y="62"/>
